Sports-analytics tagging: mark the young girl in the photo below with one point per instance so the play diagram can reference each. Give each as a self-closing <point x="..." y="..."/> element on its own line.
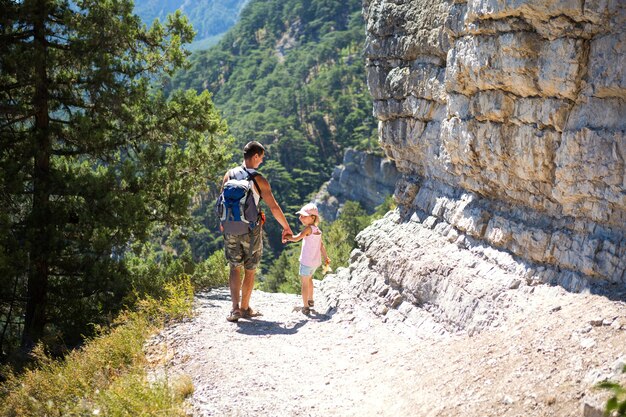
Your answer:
<point x="312" y="252"/>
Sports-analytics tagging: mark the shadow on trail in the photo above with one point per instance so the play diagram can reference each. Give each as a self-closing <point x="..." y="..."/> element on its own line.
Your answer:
<point x="257" y="327"/>
<point x="264" y="327"/>
<point x="214" y="294"/>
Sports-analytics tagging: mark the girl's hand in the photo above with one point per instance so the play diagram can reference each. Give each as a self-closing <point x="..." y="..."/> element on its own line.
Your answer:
<point x="326" y="269"/>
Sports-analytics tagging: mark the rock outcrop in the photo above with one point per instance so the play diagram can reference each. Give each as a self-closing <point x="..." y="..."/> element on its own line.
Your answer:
<point x="364" y="177"/>
<point x="507" y="121"/>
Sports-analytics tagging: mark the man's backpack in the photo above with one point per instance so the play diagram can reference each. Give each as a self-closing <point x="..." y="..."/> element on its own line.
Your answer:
<point x="235" y="206"/>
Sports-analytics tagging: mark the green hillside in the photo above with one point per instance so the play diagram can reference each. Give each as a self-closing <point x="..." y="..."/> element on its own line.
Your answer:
<point x="291" y="75"/>
<point x="210" y="18"/>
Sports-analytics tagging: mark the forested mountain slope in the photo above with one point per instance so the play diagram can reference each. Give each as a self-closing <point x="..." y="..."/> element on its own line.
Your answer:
<point x="210" y="18"/>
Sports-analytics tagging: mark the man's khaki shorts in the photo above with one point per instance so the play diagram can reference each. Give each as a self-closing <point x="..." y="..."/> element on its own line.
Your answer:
<point x="245" y="249"/>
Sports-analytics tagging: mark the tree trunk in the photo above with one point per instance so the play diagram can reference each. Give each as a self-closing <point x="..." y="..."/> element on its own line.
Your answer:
<point x="39" y="235"/>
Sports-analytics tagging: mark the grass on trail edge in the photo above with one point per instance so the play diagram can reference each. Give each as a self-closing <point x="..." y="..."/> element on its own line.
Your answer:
<point x="107" y="376"/>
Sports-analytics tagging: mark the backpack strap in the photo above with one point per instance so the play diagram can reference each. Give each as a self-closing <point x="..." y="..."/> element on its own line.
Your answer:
<point x="251" y="175"/>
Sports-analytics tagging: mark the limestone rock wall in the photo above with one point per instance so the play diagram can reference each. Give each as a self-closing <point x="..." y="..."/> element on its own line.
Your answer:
<point x="507" y="120"/>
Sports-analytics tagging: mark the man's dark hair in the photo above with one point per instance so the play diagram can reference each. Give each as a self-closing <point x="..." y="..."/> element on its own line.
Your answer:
<point x="253" y="148"/>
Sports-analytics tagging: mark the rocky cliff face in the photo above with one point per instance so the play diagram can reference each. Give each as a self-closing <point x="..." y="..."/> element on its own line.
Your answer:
<point x="363" y="177"/>
<point x="508" y="121"/>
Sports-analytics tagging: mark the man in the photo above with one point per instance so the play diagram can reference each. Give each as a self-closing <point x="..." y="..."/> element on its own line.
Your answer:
<point x="244" y="248"/>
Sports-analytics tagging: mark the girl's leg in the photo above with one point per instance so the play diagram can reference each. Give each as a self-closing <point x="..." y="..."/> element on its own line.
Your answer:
<point x="304" y="281"/>
<point x="310" y="287"/>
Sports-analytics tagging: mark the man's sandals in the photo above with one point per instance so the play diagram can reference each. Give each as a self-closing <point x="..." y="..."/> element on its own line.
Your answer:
<point x="237" y="314"/>
<point x="249" y="313"/>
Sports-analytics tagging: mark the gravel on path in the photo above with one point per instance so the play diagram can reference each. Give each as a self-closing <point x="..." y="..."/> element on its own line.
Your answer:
<point x="543" y="362"/>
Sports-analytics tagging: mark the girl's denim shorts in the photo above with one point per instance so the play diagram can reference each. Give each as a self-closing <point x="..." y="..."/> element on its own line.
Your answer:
<point x="307" y="271"/>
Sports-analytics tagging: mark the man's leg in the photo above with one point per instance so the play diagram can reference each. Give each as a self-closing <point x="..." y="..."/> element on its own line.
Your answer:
<point x="252" y="258"/>
<point x="234" y="282"/>
<point x="246" y="290"/>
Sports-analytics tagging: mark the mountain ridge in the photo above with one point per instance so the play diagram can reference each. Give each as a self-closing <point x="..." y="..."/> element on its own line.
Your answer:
<point x="210" y="18"/>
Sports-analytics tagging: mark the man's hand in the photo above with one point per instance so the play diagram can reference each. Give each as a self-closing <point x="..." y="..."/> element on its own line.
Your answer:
<point x="287" y="234"/>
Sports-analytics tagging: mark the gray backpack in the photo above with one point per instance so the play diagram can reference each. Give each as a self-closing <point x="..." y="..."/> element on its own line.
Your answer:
<point x="235" y="206"/>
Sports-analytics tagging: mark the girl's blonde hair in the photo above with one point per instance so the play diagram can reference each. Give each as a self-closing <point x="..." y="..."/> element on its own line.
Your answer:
<point x="317" y="219"/>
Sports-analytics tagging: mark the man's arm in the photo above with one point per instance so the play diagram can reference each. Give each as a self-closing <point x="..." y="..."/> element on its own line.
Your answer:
<point x="277" y="212"/>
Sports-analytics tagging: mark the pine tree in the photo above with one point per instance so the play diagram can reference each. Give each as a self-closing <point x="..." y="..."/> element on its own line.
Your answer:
<point x="92" y="155"/>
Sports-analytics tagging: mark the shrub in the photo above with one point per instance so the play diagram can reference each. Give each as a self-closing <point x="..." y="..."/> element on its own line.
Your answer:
<point x="213" y="272"/>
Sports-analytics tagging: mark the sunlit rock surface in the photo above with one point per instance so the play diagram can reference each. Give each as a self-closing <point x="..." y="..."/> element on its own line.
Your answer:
<point x="507" y="119"/>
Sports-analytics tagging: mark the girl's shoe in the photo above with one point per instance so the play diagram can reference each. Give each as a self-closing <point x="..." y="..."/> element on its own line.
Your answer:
<point x="306" y="310"/>
<point x="311" y="303"/>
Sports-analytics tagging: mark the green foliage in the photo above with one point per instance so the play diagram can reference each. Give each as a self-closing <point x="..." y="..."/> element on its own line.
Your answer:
<point x="108" y="374"/>
<point x="213" y="272"/>
<point x="132" y="395"/>
<point x="388" y="205"/>
<point x="616" y="404"/>
<point x="175" y="304"/>
<point x="152" y="267"/>
<point x="156" y="264"/>
<point x="283" y="273"/>
<point x="93" y="157"/>
<point x="340" y="235"/>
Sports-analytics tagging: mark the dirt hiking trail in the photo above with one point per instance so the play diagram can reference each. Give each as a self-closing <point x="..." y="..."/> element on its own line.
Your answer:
<point x="351" y="363"/>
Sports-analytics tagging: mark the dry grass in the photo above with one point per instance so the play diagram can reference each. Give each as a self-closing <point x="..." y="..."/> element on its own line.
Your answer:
<point x="107" y="376"/>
